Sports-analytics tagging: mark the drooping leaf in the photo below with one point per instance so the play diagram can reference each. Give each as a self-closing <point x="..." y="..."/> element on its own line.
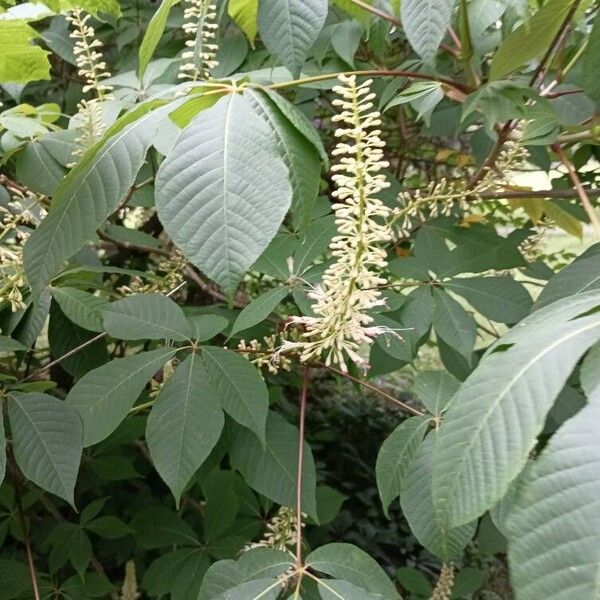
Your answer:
<point x="530" y="39"/>
<point x="238" y="386"/>
<point x="146" y="316"/>
<point x="244" y="14"/>
<point x="297" y="152"/>
<point x="104" y="396"/>
<point x="15" y="578"/>
<point x="554" y="531"/>
<point x="259" y="309"/>
<point x="271" y="469"/>
<point x="591" y="85"/>
<point x="159" y="527"/>
<point x="425" y="522"/>
<point x="289" y="28"/>
<point x="333" y="589"/>
<point x="184" y="425"/>
<point x="7" y="344"/>
<point x="453" y="323"/>
<point x="83" y="308"/>
<point x="351" y="564"/>
<point x="259" y="589"/>
<point x="493" y="421"/>
<point x="500" y="299"/>
<point x="47" y="437"/>
<point x="223" y="191"/>
<point x="90" y="193"/>
<point x="153" y="34"/>
<point x="395" y="456"/>
<point x="425" y="23"/>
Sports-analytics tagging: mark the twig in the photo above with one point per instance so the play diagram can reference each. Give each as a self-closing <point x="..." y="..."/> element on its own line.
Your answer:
<point x="25" y="528"/>
<point x="301" y="428"/>
<point x="82" y="346"/>
<point x="583" y="195"/>
<point x="373" y="388"/>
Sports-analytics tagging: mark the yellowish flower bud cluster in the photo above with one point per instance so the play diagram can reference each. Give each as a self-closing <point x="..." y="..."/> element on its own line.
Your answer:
<point x="264" y="353"/>
<point x="17" y="214"/>
<point x="445" y="583"/>
<point x="349" y="290"/>
<point x="200" y="57"/>
<point x="280" y="531"/>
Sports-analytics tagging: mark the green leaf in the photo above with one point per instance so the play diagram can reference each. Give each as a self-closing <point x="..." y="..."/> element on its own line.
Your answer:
<point x="206" y="327"/>
<point x="154" y="32"/>
<point x="37" y="169"/>
<point x="413" y="580"/>
<point x="259" y="309"/>
<point x="580" y="276"/>
<point x="15" y="579"/>
<point x="271" y="469"/>
<point x="109" y="527"/>
<point x="435" y="389"/>
<point x="453" y="323"/>
<point x="260" y="589"/>
<point x="296" y="151"/>
<point x="159" y="527"/>
<point x="300" y="122"/>
<point x="47" y="437"/>
<point x="425" y="23"/>
<point x="83" y="308"/>
<point x="492" y="422"/>
<point x="146" y="316"/>
<point x="589" y="375"/>
<point x="500" y="299"/>
<point x="2" y="452"/>
<point x="426" y="522"/>
<point x="104" y="396"/>
<point x="531" y="39"/>
<point x="349" y="563"/>
<point x="184" y="426"/>
<point x="239" y="387"/>
<point x="9" y="345"/>
<point x="395" y="456"/>
<point x="563" y="219"/>
<point x="223" y="191"/>
<point x="244" y="14"/>
<point x="289" y="28"/>
<point x="332" y="589"/>
<point x="554" y="531"/>
<point x="84" y="200"/>
<point x="591" y="84"/>
<point x="20" y="60"/>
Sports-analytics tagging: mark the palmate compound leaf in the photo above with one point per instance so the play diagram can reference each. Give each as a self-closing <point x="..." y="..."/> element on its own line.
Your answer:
<point x="104" y="396"/>
<point x="395" y="456"/>
<point x="289" y="28"/>
<point x="554" y="529"/>
<point x="91" y="192"/>
<point x="493" y="421"/>
<point x="185" y="424"/>
<point x="224" y="190"/>
<point x="47" y="437"/>
<point x="425" y="522"/>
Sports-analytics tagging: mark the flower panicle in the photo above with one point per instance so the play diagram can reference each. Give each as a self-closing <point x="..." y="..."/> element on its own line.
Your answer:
<point x="199" y="59"/>
<point x="341" y="324"/>
<point x="88" y="55"/>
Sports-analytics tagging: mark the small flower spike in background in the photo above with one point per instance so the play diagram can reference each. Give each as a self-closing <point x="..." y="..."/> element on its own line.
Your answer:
<point x="349" y="287"/>
<point x="200" y="57"/>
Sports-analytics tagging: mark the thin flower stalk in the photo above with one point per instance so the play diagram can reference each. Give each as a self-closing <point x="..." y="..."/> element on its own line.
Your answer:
<point x="349" y="289"/>
<point x="200" y="57"/>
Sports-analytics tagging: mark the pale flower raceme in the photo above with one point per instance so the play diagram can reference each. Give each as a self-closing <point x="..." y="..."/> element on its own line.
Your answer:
<point x="349" y="289"/>
<point x="200" y="27"/>
<point x="92" y="68"/>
